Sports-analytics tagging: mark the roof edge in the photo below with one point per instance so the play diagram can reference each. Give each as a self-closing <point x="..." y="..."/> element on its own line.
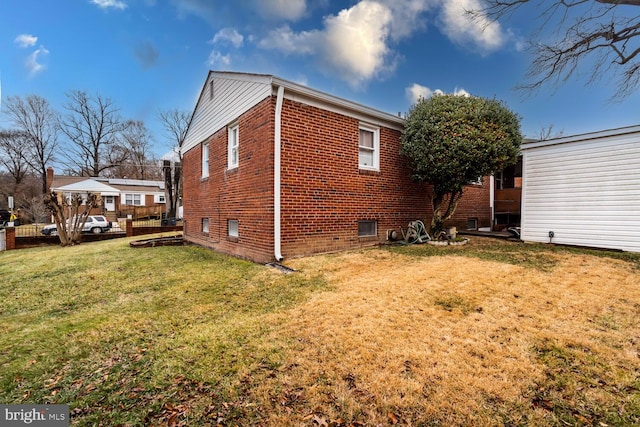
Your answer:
<point x="582" y="137"/>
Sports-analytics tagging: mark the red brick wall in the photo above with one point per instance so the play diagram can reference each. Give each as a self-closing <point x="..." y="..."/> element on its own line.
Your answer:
<point x="244" y="194"/>
<point x="324" y="194"/>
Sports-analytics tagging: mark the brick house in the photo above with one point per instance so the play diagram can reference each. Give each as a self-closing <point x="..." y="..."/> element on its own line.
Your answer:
<point x="274" y="169"/>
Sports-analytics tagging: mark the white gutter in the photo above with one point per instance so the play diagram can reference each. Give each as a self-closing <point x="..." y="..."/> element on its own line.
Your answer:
<point x="276" y="176"/>
<point x="492" y="199"/>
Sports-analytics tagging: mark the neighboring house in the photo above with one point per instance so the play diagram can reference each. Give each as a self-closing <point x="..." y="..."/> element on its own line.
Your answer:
<point x="274" y="169"/>
<point x="507" y="196"/>
<point x="119" y="197"/>
<point x="583" y="190"/>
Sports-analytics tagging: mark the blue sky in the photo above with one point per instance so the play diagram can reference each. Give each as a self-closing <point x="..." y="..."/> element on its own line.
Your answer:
<point x="148" y="55"/>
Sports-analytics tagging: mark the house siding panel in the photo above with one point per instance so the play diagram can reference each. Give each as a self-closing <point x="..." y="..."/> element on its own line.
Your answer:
<point x="586" y="191"/>
<point x="232" y="97"/>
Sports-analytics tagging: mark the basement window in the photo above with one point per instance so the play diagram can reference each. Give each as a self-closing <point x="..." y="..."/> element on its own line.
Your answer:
<point x="472" y="223"/>
<point x="205" y="225"/>
<point x="367" y="228"/>
<point x="232" y="226"/>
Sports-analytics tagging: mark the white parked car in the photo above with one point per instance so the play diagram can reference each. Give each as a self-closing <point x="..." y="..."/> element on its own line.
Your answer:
<point x="95" y="224"/>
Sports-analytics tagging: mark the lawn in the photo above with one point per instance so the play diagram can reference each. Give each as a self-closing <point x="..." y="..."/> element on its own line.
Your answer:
<point x="492" y="333"/>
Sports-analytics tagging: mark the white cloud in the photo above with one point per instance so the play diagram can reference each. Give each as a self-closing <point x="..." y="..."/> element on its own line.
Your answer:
<point x="106" y="4"/>
<point x="291" y="10"/>
<point x="25" y="40"/>
<point x="285" y="40"/>
<point x="203" y="9"/>
<point x="218" y="61"/>
<point x="463" y="29"/>
<point x="461" y="92"/>
<point x="408" y="15"/>
<point x="415" y="92"/>
<point x="228" y="35"/>
<point x="352" y="44"/>
<point x="32" y="63"/>
<point x="357" y="43"/>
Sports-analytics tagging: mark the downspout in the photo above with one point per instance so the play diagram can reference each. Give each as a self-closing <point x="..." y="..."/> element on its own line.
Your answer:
<point x="492" y="198"/>
<point x="276" y="176"/>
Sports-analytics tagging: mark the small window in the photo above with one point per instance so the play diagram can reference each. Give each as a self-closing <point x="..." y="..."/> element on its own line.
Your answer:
<point x="369" y="147"/>
<point x="132" y="199"/>
<point x="160" y="198"/>
<point x="211" y="89"/>
<point x="233" y="149"/>
<point x="472" y="223"/>
<point x="205" y="225"/>
<point x="367" y="228"/>
<point x="232" y="224"/>
<point x="205" y="160"/>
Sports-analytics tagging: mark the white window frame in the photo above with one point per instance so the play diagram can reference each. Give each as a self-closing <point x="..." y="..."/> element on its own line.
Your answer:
<point x="232" y="228"/>
<point x="205" y="159"/>
<point x="233" y="146"/>
<point x="133" y="197"/>
<point x="375" y="228"/>
<point x="160" y="198"/>
<point x="205" y="225"/>
<point x="375" y="150"/>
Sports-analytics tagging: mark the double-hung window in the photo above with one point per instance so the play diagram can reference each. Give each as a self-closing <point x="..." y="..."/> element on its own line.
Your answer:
<point x="132" y="199"/>
<point x="205" y="159"/>
<point x="233" y="147"/>
<point x="369" y="147"/>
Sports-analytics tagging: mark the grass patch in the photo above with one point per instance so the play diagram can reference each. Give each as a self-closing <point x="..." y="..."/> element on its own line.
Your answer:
<point x="453" y="302"/>
<point x="581" y="387"/>
<point x="123" y="334"/>
<point x="487" y="334"/>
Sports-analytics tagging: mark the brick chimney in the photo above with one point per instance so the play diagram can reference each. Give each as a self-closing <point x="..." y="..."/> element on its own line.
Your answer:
<point x="49" y="178"/>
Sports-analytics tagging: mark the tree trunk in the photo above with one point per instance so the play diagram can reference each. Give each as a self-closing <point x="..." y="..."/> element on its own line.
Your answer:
<point x="438" y="202"/>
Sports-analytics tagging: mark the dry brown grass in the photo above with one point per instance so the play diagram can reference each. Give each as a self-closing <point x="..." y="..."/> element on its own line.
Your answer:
<point x="451" y="340"/>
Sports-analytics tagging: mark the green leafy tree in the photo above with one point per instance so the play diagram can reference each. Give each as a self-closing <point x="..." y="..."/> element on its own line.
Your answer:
<point x="452" y="141"/>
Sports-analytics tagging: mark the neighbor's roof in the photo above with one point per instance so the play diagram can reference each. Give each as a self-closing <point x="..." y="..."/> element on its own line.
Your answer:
<point x="88" y="186"/>
<point x="105" y="186"/>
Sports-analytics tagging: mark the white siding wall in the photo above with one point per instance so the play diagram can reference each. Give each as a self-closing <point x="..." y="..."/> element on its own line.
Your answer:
<point x="587" y="191"/>
<point x="231" y="98"/>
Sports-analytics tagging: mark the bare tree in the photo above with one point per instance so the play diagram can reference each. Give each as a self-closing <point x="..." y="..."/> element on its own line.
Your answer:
<point x="70" y="214"/>
<point x="92" y="124"/>
<point x="36" y="120"/>
<point x="176" y="124"/>
<point x="33" y="207"/>
<point x="547" y="133"/>
<point x="600" y="34"/>
<point x="137" y="142"/>
<point x="12" y="143"/>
